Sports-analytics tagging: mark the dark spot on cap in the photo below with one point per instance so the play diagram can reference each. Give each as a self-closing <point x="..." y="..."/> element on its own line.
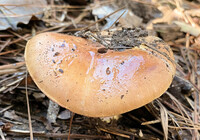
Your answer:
<point x="145" y="78"/>
<point x="67" y="100"/>
<point x="73" y="49"/>
<point x="103" y="89"/>
<point x="122" y="63"/>
<point x="63" y="45"/>
<point x="122" y="96"/>
<point x="102" y="50"/>
<point x="60" y="70"/>
<point x="108" y="71"/>
<point x="53" y="61"/>
<point x="56" y="54"/>
<point x="41" y="81"/>
<point x="52" y="49"/>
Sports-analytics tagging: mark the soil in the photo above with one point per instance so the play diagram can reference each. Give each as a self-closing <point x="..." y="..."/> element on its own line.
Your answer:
<point x="127" y="38"/>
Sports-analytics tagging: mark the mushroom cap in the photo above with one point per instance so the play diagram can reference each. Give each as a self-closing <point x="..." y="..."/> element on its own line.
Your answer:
<point x="71" y="72"/>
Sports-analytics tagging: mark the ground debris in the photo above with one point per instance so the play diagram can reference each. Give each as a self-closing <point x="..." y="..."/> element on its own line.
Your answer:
<point x="175" y="115"/>
<point x="19" y="12"/>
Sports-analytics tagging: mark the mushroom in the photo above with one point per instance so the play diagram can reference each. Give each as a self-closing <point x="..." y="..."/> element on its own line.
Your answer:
<point x="73" y="73"/>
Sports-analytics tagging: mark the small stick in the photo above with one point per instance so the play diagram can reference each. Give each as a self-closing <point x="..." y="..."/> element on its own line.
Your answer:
<point x="70" y="125"/>
<point x="117" y="20"/>
<point x="28" y="109"/>
<point x="6" y="108"/>
<point x="12" y="66"/>
<point x="86" y="28"/>
<point x="16" y="132"/>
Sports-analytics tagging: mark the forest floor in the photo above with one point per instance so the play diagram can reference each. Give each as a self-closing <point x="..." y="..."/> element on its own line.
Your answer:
<point x="174" y="115"/>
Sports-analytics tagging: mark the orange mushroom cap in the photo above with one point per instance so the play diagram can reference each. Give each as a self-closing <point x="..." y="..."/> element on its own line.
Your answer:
<point x="71" y="72"/>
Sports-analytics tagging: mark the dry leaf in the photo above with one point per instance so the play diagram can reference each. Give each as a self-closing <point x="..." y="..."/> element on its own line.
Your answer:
<point x="38" y="96"/>
<point x="105" y="10"/>
<point x="11" y="115"/>
<point x="13" y="12"/>
<point x="128" y="18"/>
<point x="187" y="28"/>
<point x="66" y="114"/>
